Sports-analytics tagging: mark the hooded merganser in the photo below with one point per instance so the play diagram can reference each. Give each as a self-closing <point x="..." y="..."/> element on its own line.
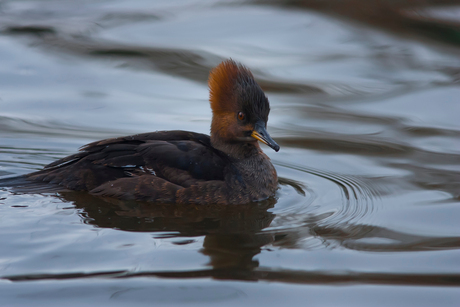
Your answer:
<point x="180" y="166"/>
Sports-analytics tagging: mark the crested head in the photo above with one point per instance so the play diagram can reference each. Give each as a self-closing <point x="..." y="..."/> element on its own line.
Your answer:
<point x="240" y="109"/>
<point x="232" y="86"/>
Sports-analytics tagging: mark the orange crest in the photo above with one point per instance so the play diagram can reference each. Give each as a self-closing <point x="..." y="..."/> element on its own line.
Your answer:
<point x="222" y="82"/>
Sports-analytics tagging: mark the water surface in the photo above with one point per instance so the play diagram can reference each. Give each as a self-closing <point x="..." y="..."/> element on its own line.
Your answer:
<point x="365" y="109"/>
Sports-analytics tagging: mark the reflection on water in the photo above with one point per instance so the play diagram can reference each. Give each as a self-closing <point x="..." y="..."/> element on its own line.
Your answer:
<point x="235" y="232"/>
<point x="231" y="233"/>
<point x="364" y="99"/>
<point x="233" y="236"/>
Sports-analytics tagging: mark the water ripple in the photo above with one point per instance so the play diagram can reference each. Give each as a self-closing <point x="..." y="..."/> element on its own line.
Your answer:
<point x="356" y="201"/>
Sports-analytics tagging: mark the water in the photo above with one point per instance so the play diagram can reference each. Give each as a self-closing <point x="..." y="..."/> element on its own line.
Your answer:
<point x="365" y="110"/>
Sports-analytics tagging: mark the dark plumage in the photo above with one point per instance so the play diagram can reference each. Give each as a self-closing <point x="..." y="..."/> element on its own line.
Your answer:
<point x="179" y="166"/>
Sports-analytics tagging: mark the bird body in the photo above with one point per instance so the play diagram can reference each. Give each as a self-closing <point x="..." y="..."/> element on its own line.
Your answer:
<point x="227" y="167"/>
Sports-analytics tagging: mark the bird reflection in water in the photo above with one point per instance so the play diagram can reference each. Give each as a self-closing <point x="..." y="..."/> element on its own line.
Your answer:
<point x="232" y="234"/>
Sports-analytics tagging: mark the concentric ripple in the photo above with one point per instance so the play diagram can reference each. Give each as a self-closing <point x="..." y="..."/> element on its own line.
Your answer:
<point x="329" y="199"/>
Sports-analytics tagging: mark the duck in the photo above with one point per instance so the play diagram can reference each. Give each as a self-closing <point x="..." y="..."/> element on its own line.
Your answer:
<point x="226" y="167"/>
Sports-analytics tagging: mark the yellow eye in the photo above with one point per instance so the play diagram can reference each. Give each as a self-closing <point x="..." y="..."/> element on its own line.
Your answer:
<point x="241" y="116"/>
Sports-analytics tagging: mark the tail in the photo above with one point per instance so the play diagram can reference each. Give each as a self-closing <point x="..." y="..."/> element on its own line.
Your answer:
<point x="22" y="184"/>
